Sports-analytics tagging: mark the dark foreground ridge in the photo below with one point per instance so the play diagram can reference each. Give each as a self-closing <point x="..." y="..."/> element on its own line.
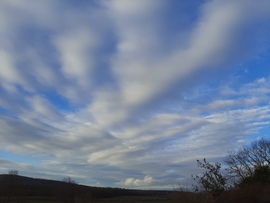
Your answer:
<point x="15" y="187"/>
<point x="20" y="189"/>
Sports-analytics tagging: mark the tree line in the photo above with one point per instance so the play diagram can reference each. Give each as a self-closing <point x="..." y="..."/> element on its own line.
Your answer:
<point x="245" y="166"/>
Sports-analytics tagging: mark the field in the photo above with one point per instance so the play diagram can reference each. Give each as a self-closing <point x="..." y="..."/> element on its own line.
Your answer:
<point x="120" y="199"/>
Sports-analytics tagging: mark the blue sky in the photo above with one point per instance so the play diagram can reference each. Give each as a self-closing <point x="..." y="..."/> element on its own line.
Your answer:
<point x="130" y="93"/>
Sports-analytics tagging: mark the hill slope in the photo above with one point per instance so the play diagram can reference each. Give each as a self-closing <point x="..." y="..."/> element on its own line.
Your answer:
<point x="15" y="185"/>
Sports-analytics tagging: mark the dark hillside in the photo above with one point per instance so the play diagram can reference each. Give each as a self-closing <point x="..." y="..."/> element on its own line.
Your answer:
<point x="14" y="186"/>
<point x="30" y="181"/>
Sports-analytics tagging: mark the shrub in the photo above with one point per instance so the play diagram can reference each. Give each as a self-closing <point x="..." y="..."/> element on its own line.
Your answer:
<point x="211" y="181"/>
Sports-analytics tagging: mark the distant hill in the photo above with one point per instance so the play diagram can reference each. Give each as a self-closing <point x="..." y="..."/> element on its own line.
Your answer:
<point x="19" y="186"/>
<point x="30" y="181"/>
<point x="16" y="185"/>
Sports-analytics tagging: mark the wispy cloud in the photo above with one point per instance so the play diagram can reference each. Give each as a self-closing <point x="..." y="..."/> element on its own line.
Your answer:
<point x="130" y="92"/>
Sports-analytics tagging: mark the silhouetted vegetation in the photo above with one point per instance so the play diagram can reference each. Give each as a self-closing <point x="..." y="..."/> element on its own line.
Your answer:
<point x="243" y="162"/>
<point x="68" y="192"/>
<point x="247" y="177"/>
<point x="10" y="189"/>
<point x="211" y="181"/>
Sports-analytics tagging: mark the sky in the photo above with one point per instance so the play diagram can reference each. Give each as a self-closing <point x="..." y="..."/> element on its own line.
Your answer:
<point x="130" y="93"/>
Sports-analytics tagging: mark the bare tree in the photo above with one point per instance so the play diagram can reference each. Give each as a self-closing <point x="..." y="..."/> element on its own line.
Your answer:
<point x="13" y="172"/>
<point x="69" y="180"/>
<point x="211" y="181"/>
<point x="10" y="186"/>
<point x="243" y="163"/>
<point x="68" y="190"/>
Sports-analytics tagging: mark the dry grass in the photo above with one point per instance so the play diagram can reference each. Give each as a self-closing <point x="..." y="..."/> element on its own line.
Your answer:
<point x="190" y="197"/>
<point x="255" y="193"/>
<point x="136" y="199"/>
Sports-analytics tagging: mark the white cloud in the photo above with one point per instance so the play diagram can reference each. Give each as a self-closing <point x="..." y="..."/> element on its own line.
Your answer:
<point x="8" y="71"/>
<point x="79" y="47"/>
<point x="145" y="72"/>
<point x="147" y="181"/>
